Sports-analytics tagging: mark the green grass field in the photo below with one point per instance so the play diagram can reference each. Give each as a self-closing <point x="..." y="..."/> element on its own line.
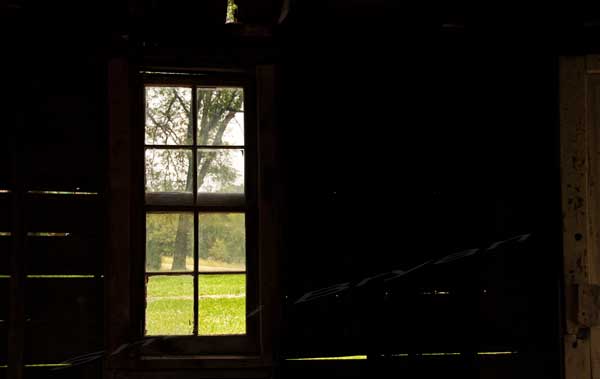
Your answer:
<point x="221" y="308"/>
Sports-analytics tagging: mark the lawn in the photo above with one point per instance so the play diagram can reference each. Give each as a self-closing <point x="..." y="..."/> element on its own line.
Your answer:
<point x="221" y="308"/>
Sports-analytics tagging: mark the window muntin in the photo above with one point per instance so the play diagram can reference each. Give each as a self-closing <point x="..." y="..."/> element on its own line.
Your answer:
<point x="195" y="207"/>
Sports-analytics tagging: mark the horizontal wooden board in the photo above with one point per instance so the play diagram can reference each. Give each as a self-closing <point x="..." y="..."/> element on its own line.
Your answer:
<point x="64" y="167"/>
<point x="56" y="342"/>
<point x="414" y="319"/>
<point x="5" y="252"/>
<point x="5" y="168"/>
<point x="64" y="318"/>
<point x="430" y="367"/>
<point x="5" y="212"/>
<point x="92" y="370"/>
<point x="3" y="344"/>
<point x="5" y="296"/>
<point x="81" y="214"/>
<point x="63" y="298"/>
<point x="72" y="254"/>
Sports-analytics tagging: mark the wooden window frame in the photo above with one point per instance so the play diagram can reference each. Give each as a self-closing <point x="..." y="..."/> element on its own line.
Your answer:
<point x="127" y="347"/>
<point x="217" y="203"/>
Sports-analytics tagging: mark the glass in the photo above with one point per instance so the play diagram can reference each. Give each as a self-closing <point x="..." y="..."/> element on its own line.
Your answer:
<point x="222" y="242"/>
<point x="170" y="305"/>
<point x="168" y="170"/>
<point x="220" y="116"/>
<point x="169" y="242"/>
<point x="222" y="304"/>
<point x="220" y="171"/>
<point x="168" y="116"/>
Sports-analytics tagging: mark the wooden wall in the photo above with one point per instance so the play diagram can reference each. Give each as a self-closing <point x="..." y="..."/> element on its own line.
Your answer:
<point x="402" y="141"/>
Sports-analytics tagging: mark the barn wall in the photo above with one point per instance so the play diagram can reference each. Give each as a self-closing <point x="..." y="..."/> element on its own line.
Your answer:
<point x="397" y="150"/>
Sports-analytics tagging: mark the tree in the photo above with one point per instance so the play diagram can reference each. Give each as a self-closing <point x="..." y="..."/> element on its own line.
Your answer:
<point x="169" y="121"/>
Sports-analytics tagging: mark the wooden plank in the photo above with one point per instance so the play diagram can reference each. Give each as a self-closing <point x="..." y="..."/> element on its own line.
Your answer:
<point x="271" y="202"/>
<point x="3" y="344"/>
<point x="579" y="209"/>
<point x="60" y="341"/>
<point x="5" y="243"/>
<point x="4" y="294"/>
<point x="60" y="298"/>
<point x="5" y="164"/>
<point x="65" y="213"/>
<point x="17" y="279"/>
<point x="64" y="318"/>
<point x="5" y="212"/>
<point x="87" y="371"/>
<point x="120" y="189"/>
<point x="592" y="64"/>
<point x="64" y="166"/>
<point x="577" y="358"/>
<point x="593" y="121"/>
<point x="72" y="254"/>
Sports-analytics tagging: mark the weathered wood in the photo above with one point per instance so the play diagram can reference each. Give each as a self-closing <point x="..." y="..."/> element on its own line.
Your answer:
<point x="580" y="175"/>
<point x="65" y="166"/>
<point x="593" y="122"/>
<point x="67" y="323"/>
<point x="270" y="195"/>
<point x="577" y="357"/>
<point x="574" y="166"/>
<point x="205" y="200"/>
<point x="5" y="212"/>
<point x="119" y="207"/>
<point x="588" y="305"/>
<point x="191" y="371"/>
<point x="5" y="242"/>
<point x="72" y="254"/>
<point x="17" y="268"/>
<point x="5" y="165"/>
<point x="65" y="213"/>
<point x="592" y="64"/>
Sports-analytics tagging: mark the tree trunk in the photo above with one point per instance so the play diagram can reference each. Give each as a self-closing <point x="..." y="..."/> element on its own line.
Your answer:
<point x="184" y="226"/>
<point x="182" y="248"/>
<point x="205" y="124"/>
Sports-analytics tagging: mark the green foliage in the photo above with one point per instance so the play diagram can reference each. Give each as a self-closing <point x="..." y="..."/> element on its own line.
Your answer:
<point x="222" y="237"/>
<point x="231" y="11"/>
<point x="161" y="233"/>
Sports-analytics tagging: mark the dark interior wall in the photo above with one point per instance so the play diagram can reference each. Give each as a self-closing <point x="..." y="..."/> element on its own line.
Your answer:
<point x="402" y="141"/>
<point x="401" y="150"/>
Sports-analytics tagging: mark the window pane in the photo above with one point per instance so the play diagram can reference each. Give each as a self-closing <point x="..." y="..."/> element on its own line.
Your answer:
<point x="222" y="242"/>
<point x="168" y="116"/>
<point x="220" y="116"/>
<point x="169" y="170"/>
<point x="170" y="305"/>
<point x="222" y="304"/>
<point x="221" y="171"/>
<point x="169" y="242"/>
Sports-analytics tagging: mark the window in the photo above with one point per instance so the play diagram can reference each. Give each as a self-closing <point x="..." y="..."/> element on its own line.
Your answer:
<point x="195" y="210"/>
<point x="198" y="187"/>
<point x="189" y="232"/>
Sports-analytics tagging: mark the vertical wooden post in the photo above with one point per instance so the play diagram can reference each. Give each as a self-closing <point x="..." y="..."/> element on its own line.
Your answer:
<point x="119" y="204"/>
<point x="270" y="205"/>
<point x="580" y="173"/>
<point x="593" y="151"/>
<point x="16" y="335"/>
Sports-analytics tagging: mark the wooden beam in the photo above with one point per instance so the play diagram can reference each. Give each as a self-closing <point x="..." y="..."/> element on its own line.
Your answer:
<point x="119" y="206"/>
<point x="574" y="186"/>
